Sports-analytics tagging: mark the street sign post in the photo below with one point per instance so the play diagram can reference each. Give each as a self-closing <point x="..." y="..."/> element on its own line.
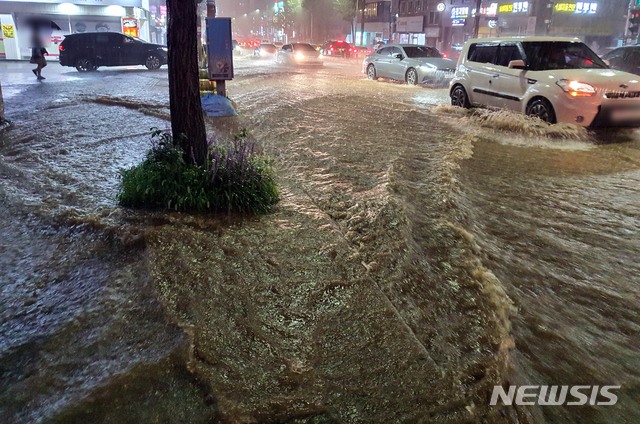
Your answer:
<point x="219" y="52"/>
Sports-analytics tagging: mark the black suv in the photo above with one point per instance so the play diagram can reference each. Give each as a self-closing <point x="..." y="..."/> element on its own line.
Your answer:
<point x="90" y="50"/>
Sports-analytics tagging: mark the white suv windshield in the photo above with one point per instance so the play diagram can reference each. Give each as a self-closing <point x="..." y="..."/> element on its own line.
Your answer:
<point x="549" y="55"/>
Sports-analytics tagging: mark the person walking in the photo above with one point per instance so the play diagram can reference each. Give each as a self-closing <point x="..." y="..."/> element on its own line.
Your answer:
<point x="37" y="55"/>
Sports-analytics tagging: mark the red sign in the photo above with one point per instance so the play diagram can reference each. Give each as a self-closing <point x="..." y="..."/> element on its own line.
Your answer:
<point x="130" y="27"/>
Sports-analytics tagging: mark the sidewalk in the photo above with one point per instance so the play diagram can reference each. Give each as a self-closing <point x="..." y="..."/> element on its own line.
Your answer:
<point x="19" y="72"/>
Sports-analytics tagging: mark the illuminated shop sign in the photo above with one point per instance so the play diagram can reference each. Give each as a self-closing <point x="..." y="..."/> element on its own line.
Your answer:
<point x="459" y="12"/>
<point x="581" y="7"/>
<point x="130" y="27"/>
<point x="515" y="7"/>
<point x="458" y="21"/>
<point x="492" y="10"/>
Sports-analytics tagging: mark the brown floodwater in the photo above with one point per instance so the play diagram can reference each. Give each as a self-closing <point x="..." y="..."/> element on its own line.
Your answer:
<point x="420" y="255"/>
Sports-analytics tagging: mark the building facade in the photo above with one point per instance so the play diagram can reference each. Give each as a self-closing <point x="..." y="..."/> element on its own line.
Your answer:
<point x="377" y="23"/>
<point x="71" y="16"/>
<point x="447" y="24"/>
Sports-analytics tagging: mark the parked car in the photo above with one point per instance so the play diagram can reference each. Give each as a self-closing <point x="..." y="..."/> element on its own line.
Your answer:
<point x="266" y="50"/>
<point x="554" y="79"/>
<point x="361" y="52"/>
<point x="90" y="50"/>
<point x="337" y="48"/>
<point x="625" y="59"/>
<point x="298" y="54"/>
<point x="414" y="64"/>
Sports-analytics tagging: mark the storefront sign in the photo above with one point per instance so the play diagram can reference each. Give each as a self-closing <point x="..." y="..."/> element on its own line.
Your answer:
<point x="8" y="31"/>
<point x="581" y="7"/>
<point x="581" y="30"/>
<point x="515" y="7"/>
<point x="432" y="32"/>
<point x="458" y="21"/>
<point x="410" y="24"/>
<point x="130" y="27"/>
<point x="459" y="12"/>
<point x="441" y="7"/>
<point x="490" y="11"/>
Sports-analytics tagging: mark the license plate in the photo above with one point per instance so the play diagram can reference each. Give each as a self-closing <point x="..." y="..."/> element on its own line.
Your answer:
<point x="625" y="115"/>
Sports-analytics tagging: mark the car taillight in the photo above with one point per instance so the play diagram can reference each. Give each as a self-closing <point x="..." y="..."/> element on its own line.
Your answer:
<point x="61" y="48"/>
<point x="331" y="48"/>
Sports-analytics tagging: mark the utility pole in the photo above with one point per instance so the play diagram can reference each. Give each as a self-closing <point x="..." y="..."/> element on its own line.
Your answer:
<point x="364" y="4"/>
<point x="1" y="107"/>
<point x="476" y="23"/>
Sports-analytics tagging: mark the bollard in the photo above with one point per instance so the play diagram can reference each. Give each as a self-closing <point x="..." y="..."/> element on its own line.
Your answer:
<point x="4" y="124"/>
<point x="1" y="105"/>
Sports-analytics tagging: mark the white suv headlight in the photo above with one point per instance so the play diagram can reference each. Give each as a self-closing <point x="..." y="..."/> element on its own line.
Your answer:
<point x="576" y="89"/>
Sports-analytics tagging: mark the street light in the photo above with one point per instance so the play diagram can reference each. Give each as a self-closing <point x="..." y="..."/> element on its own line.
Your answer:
<point x="68" y="9"/>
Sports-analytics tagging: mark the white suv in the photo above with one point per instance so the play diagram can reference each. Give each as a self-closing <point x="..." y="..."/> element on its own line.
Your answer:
<point x="555" y="79"/>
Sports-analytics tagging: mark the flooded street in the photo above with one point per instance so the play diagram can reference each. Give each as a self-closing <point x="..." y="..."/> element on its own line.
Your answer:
<point x="420" y="255"/>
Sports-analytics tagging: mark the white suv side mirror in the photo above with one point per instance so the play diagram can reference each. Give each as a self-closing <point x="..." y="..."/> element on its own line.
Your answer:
<point x="517" y="64"/>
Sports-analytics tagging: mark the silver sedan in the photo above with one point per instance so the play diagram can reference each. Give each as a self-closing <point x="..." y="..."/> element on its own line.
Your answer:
<point x="414" y="64"/>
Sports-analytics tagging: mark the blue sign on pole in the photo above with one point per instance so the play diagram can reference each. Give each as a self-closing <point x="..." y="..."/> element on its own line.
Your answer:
<point x="219" y="49"/>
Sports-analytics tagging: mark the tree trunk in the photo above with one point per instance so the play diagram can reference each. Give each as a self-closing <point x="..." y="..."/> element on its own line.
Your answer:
<point x="187" y="120"/>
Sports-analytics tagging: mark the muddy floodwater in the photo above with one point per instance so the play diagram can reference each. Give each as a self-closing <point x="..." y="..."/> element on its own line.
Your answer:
<point x="420" y="255"/>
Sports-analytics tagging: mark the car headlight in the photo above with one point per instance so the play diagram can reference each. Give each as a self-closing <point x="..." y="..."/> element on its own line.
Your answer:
<point x="299" y="56"/>
<point x="576" y="89"/>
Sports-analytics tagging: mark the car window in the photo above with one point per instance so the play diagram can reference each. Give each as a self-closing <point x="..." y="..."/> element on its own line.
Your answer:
<point x="549" y="55"/>
<point x="616" y="57"/>
<point x="286" y="48"/>
<point x="396" y="50"/>
<point x="507" y="53"/>
<point x="385" y="51"/>
<point x="304" y="48"/>
<point x="633" y="59"/>
<point x="483" y="53"/>
<point x="103" y="38"/>
<point x="116" y="39"/>
<point x="421" y="51"/>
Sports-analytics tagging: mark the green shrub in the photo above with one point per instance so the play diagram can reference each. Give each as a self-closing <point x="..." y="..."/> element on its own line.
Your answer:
<point x="235" y="179"/>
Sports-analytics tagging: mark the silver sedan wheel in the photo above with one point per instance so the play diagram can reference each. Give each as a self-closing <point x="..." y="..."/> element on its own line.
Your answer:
<point x="371" y="72"/>
<point x="412" y="77"/>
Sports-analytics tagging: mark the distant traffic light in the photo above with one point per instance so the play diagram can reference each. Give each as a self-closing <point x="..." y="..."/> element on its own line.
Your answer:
<point x="634" y="21"/>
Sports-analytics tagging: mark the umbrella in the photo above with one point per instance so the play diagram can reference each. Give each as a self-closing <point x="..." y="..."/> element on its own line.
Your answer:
<point x="38" y="23"/>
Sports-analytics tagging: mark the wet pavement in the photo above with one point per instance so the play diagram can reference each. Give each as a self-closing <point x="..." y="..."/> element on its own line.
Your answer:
<point x="421" y="254"/>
